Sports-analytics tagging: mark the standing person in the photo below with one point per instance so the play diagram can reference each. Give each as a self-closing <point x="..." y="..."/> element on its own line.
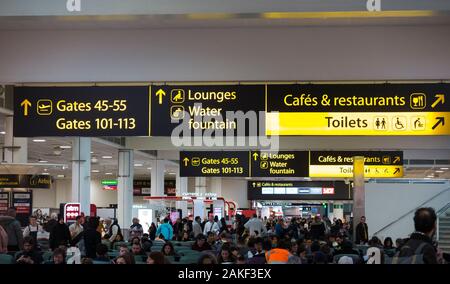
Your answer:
<point x="115" y="233"/>
<point x="32" y="230"/>
<point x="13" y="230"/>
<point x="92" y="238"/>
<point x="152" y="232"/>
<point x="60" y="234"/>
<point x="421" y="238"/>
<point x="211" y="226"/>
<point x="178" y="228"/>
<point x="255" y="226"/>
<point x="362" y="232"/>
<point x="223" y="226"/>
<point x="165" y="229"/>
<point x="51" y="223"/>
<point x="197" y="227"/>
<point x="279" y="228"/>
<point x="317" y="229"/>
<point x="76" y="229"/>
<point x="136" y="229"/>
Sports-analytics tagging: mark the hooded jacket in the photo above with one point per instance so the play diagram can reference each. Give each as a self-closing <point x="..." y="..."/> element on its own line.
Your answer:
<point x="13" y="230"/>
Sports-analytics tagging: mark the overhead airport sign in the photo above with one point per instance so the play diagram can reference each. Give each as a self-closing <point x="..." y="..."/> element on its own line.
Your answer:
<point x="216" y="163"/>
<point x="230" y="110"/>
<point x="204" y="108"/>
<point x="81" y="111"/>
<point x="358" y="109"/>
<point x="279" y="164"/>
<point x="330" y="164"/>
<point x="335" y="164"/>
<point x="294" y="190"/>
<point x="25" y="181"/>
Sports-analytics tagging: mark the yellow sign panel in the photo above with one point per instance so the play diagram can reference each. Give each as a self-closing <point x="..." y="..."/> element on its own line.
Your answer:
<point x="346" y="171"/>
<point x="358" y="123"/>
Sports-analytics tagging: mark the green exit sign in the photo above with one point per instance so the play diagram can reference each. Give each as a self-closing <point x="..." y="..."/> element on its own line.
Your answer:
<point x="109" y="182"/>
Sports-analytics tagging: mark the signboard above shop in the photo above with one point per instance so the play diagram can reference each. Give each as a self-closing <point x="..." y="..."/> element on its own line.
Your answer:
<point x="234" y="110"/>
<point x="332" y="164"/>
<point x="25" y="181"/>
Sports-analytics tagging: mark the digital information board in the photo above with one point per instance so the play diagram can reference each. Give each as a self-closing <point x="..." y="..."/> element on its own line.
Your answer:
<point x="230" y="109"/>
<point x="332" y="164"/>
<point x="292" y="190"/>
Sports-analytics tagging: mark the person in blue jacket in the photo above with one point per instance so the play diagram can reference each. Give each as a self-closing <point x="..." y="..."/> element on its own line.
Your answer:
<point x="165" y="229"/>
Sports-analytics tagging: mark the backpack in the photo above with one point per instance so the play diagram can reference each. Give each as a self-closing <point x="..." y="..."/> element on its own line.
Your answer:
<point x="410" y="258"/>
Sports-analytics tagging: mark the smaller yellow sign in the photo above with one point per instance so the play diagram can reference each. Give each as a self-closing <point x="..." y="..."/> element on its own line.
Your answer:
<point x="358" y="123"/>
<point x="346" y="171"/>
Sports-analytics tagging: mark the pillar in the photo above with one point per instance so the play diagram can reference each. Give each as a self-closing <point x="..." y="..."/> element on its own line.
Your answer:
<point x="199" y="205"/>
<point x="81" y="173"/>
<point x="358" y="191"/>
<point x="181" y="186"/>
<point x="125" y="188"/>
<point x="157" y="177"/>
<point x="16" y="149"/>
<point x="216" y="187"/>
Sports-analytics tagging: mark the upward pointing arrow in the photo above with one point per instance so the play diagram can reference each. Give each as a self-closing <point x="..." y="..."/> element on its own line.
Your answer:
<point x="25" y="104"/>
<point x="186" y="161"/>
<point x="160" y="93"/>
<point x="440" y="98"/>
<point x="255" y="156"/>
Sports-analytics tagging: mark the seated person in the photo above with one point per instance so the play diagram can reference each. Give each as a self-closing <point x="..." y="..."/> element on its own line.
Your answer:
<point x="59" y="256"/>
<point x="146" y="243"/>
<point x="102" y="253"/>
<point x="123" y="249"/>
<point x="29" y="254"/>
<point x="136" y="249"/>
<point x="159" y="240"/>
<point x="201" y="244"/>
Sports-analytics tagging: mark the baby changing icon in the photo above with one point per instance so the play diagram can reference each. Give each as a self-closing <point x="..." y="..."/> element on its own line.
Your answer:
<point x="418" y="123"/>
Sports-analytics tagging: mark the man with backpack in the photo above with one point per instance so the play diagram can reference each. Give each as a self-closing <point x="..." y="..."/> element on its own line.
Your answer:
<point x="419" y="248"/>
<point x="165" y="229"/>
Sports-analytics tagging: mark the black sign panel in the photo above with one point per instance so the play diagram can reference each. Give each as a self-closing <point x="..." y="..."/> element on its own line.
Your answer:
<point x="143" y="187"/>
<point x="376" y="158"/>
<point x="23" y="202"/>
<point x="358" y="98"/>
<point x="214" y="164"/>
<point x="279" y="164"/>
<point x="206" y="108"/>
<point x="25" y="181"/>
<point x="4" y="202"/>
<point x="81" y="111"/>
<point x="299" y="190"/>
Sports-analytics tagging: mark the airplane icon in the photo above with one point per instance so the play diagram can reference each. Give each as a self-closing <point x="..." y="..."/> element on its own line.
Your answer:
<point x="44" y="107"/>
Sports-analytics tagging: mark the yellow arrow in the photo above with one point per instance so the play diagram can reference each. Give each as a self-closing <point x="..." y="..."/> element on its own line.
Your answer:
<point x="186" y="161"/>
<point x="255" y="156"/>
<point x="396" y="159"/>
<point x="440" y="98"/>
<point x="25" y="104"/>
<point x="160" y="93"/>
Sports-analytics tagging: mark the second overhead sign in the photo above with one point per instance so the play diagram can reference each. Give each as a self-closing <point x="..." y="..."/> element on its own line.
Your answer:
<point x="386" y="164"/>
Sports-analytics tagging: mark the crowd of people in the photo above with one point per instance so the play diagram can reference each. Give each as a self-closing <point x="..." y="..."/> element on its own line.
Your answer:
<point x="245" y="241"/>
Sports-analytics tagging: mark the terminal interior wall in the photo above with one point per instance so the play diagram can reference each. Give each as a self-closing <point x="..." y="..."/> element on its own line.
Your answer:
<point x="284" y="53"/>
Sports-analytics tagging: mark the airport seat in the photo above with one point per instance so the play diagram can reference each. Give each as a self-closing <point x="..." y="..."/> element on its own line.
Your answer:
<point x="390" y="252"/>
<point x="140" y="258"/>
<point x="47" y="255"/>
<point x="113" y="254"/>
<point x="187" y="244"/>
<point x="118" y="244"/>
<point x="6" y="259"/>
<point x="182" y="248"/>
<point x="356" y="258"/>
<point x="100" y="262"/>
<point x="188" y="260"/>
<point x="156" y="248"/>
